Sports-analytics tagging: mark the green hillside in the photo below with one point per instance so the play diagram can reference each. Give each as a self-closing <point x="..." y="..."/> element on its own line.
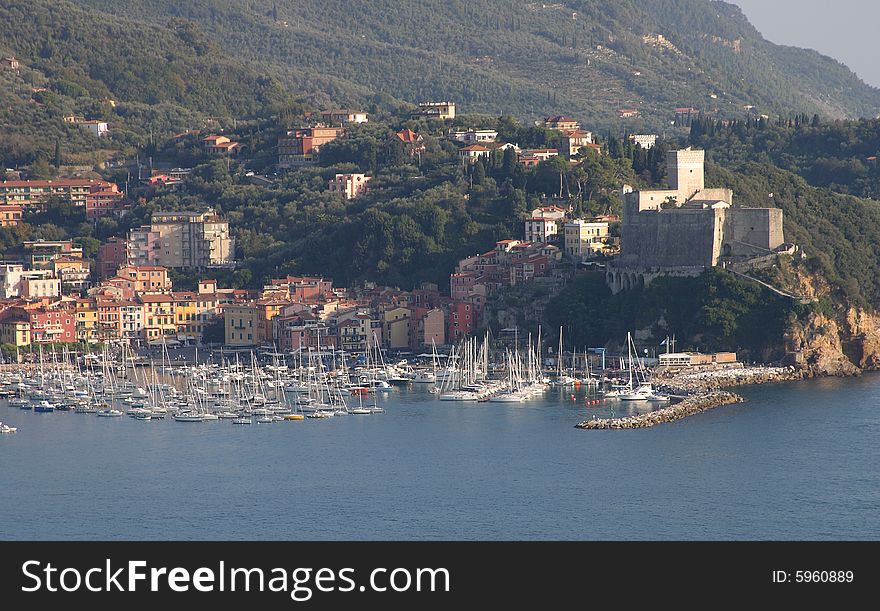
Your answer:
<point x="583" y="57"/>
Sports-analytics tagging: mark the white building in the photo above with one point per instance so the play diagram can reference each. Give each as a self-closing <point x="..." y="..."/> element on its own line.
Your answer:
<point x="350" y="185"/>
<point x="541" y="229"/>
<point x="646" y="141"/>
<point x="98" y="128"/>
<point x="14" y="278"/>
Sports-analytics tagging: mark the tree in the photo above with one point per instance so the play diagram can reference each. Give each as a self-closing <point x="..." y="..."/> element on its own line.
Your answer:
<point x="57" y="153"/>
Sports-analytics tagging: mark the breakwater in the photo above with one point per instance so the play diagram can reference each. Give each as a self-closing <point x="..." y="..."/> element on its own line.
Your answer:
<point x="688" y="407"/>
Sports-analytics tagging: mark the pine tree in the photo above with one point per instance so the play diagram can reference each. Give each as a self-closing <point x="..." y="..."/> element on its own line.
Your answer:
<point x="57" y="153"/>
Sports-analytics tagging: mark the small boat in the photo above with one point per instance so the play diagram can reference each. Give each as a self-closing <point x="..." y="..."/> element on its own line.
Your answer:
<point x="242" y="420"/>
<point x="294" y="417"/>
<point x="210" y="416"/>
<point x="188" y="417"/>
<point x="361" y="410"/>
<point x="44" y="406"/>
<point x="264" y="420"/>
<point x="108" y="413"/>
<point x="144" y="416"/>
<point x="5" y="428"/>
<point x="227" y="415"/>
<point x="276" y="418"/>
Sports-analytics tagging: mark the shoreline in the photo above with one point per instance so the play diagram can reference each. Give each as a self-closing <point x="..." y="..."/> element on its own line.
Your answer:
<point x="702" y="390"/>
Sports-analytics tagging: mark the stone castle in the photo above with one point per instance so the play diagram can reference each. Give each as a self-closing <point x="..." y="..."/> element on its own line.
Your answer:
<point x="686" y="228"/>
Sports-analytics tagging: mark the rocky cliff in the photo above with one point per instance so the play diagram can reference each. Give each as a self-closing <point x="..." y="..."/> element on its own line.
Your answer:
<point x="836" y="338"/>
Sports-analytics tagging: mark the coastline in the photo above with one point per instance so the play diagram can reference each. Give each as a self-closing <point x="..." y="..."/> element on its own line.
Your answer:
<point x="702" y="390"/>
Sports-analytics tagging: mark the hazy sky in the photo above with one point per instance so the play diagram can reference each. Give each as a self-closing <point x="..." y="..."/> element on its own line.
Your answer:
<point x="842" y="29"/>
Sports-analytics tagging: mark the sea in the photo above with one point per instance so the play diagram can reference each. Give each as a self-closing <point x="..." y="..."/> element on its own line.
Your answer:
<point x="796" y="461"/>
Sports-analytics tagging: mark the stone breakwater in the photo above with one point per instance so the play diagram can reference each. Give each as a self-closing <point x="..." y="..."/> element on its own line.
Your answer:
<point x="687" y="407"/>
<point x="692" y="382"/>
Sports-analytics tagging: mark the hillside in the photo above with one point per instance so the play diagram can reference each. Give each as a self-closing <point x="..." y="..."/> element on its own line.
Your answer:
<point x="79" y="61"/>
<point x="584" y="57"/>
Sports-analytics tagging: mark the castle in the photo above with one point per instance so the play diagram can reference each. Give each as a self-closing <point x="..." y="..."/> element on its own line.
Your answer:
<point x="686" y="228"/>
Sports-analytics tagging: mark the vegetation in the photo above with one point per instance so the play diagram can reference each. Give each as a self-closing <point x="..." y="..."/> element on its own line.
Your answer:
<point x="713" y="312"/>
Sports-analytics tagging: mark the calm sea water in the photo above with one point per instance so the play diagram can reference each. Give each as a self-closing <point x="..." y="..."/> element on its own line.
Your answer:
<point x="797" y="461"/>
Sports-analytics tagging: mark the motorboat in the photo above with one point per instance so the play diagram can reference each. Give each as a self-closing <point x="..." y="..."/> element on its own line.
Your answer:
<point x="242" y="420"/>
<point x="109" y="413"/>
<point x="188" y="417"/>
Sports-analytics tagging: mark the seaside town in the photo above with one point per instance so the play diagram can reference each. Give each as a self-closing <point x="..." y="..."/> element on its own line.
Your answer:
<point x="121" y="298"/>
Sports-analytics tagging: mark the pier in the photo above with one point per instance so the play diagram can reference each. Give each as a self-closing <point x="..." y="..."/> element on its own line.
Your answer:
<point x="687" y="407"/>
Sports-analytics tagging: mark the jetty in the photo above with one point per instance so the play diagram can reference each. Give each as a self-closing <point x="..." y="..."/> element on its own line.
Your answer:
<point x="688" y="407"/>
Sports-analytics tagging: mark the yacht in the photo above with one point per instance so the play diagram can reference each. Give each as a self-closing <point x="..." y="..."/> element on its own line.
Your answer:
<point x="188" y="417"/>
<point x="109" y="413"/>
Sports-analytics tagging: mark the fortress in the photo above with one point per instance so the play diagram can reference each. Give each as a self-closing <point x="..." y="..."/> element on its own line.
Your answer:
<point x="686" y="228"/>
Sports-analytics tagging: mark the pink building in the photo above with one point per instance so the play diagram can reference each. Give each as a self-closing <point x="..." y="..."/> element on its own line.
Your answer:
<point x="111" y="256"/>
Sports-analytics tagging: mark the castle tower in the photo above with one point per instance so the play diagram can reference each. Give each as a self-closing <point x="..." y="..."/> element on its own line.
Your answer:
<point x="684" y="171"/>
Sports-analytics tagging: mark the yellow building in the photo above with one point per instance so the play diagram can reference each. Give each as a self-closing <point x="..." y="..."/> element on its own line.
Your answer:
<point x="159" y="319"/>
<point x="86" y="319"/>
<point x="193" y="312"/>
<point x="396" y="327"/>
<point x="15" y="331"/>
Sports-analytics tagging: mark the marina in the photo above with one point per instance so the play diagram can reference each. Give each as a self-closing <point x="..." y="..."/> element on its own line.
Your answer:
<point x="428" y="469"/>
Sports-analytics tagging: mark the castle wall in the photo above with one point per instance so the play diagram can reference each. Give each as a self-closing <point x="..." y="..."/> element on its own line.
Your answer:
<point x="752" y="231"/>
<point x="675" y="237"/>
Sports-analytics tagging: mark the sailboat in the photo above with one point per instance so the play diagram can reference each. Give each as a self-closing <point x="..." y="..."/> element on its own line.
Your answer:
<point x="636" y="390"/>
<point x="562" y="379"/>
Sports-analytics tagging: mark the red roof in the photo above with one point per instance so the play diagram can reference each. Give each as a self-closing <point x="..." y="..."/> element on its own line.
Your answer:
<point x="475" y="147"/>
<point x="408" y="135"/>
<point x="62" y="182"/>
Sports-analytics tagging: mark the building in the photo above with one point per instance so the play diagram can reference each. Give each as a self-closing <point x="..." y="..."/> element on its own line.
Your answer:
<point x="15" y="327"/>
<point x="10" y="215"/>
<point x="530" y="157"/>
<point x="561" y="122"/>
<point x="435" y="110"/>
<point x="182" y="240"/>
<point x="41" y="253"/>
<point x="585" y="238"/>
<point x="86" y="314"/>
<point x="158" y="322"/>
<point x="97" y="128"/>
<point x="575" y="140"/>
<point x="36" y="193"/>
<point x="75" y="274"/>
<point x="146" y="278"/>
<point x="343" y="117"/>
<point x="396" y="328"/>
<point x="112" y="255"/>
<point x="646" y="141"/>
<point x="688" y="228"/>
<point x="413" y="142"/>
<point x="221" y="145"/>
<point x="548" y="212"/>
<point x="628" y="113"/>
<point x="674" y="360"/>
<point x="538" y="229"/>
<point x="350" y="185"/>
<point x="142" y="246"/>
<point x="300" y="146"/>
<point x="10" y="63"/>
<point x="52" y="324"/>
<point x="471" y="153"/>
<point x="462" y="320"/>
<point x="104" y="200"/>
<point x="13" y="279"/>
<point x="250" y="324"/>
<point x="472" y="135"/>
